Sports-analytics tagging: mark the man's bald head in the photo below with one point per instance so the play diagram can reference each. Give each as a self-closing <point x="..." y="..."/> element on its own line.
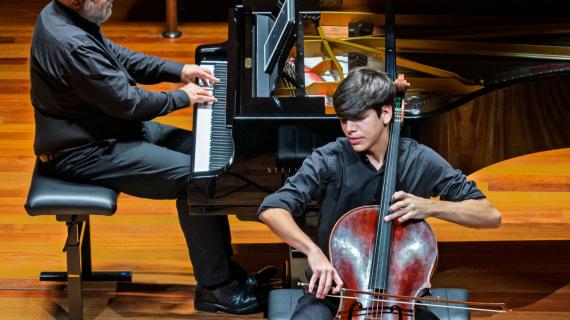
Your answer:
<point x="95" y="11"/>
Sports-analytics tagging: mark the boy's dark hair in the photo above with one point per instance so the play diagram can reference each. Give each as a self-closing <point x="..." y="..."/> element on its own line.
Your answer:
<point x="364" y="88"/>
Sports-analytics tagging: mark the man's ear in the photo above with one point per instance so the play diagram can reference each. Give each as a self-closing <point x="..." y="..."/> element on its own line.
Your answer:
<point x="386" y="112"/>
<point x="73" y="4"/>
<point x="78" y="4"/>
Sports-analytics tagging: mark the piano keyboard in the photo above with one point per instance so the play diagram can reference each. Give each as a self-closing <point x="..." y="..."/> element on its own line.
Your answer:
<point x="213" y="142"/>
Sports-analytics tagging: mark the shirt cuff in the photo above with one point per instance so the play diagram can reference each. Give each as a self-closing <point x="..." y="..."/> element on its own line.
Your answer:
<point x="172" y="71"/>
<point x="181" y="99"/>
<point x="272" y="201"/>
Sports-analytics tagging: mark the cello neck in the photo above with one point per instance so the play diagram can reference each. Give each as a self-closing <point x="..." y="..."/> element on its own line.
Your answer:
<point x="380" y="260"/>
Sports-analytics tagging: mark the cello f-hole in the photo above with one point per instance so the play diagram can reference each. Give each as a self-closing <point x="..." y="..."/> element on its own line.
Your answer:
<point x="397" y="308"/>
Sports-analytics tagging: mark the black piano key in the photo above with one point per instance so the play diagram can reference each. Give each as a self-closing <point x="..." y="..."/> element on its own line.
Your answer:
<point x="221" y="148"/>
<point x="221" y="144"/>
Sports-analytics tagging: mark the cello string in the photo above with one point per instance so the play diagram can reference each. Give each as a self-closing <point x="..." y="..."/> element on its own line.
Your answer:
<point x="387" y="190"/>
<point x="382" y="243"/>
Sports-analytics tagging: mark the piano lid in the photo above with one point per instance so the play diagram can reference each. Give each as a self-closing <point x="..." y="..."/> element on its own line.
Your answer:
<point x="451" y="52"/>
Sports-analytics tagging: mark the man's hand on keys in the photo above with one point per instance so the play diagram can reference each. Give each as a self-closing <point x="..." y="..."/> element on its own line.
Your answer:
<point x="191" y="72"/>
<point x="198" y="94"/>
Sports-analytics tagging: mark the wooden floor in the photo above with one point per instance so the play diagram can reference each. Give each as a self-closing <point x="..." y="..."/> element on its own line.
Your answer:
<point x="525" y="263"/>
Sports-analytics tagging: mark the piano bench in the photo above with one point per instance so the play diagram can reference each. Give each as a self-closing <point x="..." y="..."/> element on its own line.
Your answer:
<point x="282" y="303"/>
<point x="73" y="203"/>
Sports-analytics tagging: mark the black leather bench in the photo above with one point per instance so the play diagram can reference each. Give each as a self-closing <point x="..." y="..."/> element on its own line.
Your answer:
<point x="73" y="203"/>
<point x="282" y="303"/>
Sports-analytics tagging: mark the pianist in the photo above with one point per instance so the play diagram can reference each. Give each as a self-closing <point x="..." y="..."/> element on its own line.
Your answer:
<point x="93" y="126"/>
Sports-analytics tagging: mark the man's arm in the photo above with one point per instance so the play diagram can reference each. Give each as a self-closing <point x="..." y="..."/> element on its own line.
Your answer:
<point x="461" y="201"/>
<point x="101" y="83"/>
<point x="282" y="224"/>
<point x="473" y="213"/>
<point x="277" y="212"/>
<point x="148" y="69"/>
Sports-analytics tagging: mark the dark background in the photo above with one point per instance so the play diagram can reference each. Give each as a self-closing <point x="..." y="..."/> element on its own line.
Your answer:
<point x="217" y="10"/>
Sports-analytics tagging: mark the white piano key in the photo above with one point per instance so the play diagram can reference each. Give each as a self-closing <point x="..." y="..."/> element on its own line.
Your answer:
<point x="202" y="134"/>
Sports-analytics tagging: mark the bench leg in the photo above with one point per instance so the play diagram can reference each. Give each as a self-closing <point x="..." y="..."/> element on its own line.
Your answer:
<point x="78" y="253"/>
<point x="74" y="290"/>
<point x="86" y="272"/>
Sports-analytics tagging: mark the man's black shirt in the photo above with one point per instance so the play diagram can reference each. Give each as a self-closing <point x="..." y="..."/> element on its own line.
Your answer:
<point x="84" y="85"/>
<point x="344" y="180"/>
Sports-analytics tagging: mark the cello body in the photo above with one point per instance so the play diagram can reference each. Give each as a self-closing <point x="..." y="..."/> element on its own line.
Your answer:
<point x="412" y="260"/>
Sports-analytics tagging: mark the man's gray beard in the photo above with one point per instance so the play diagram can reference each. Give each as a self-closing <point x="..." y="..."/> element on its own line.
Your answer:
<point x="89" y="13"/>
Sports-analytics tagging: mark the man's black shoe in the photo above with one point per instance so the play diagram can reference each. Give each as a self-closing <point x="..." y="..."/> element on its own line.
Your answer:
<point x="260" y="278"/>
<point x="232" y="297"/>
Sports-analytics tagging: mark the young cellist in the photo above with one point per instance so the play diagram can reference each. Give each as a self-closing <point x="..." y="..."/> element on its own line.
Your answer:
<point x="348" y="173"/>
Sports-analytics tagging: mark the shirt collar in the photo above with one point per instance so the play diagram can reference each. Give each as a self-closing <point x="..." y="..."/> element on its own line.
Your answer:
<point x="77" y="19"/>
<point x="355" y="157"/>
<point x="365" y="159"/>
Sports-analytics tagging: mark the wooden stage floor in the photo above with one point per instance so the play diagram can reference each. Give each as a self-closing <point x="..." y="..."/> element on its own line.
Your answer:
<point x="525" y="263"/>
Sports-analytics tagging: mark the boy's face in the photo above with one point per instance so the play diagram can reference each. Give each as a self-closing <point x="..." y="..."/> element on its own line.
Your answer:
<point x="364" y="134"/>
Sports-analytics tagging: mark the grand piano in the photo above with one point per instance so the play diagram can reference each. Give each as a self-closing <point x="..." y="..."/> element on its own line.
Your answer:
<point x="483" y="89"/>
<point x="249" y="141"/>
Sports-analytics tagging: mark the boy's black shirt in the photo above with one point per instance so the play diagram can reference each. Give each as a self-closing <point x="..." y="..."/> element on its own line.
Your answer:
<point x="344" y="179"/>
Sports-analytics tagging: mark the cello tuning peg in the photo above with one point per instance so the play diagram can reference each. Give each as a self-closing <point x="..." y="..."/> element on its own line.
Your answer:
<point x="401" y="84"/>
